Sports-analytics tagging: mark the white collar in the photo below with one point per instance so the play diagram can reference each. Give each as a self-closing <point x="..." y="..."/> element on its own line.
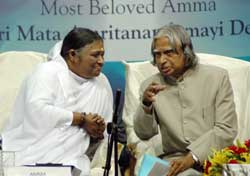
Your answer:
<point x="79" y="79"/>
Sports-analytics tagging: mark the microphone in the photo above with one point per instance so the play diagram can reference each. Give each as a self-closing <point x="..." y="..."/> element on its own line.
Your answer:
<point x="112" y="140"/>
<point x="117" y="103"/>
<point x="113" y="124"/>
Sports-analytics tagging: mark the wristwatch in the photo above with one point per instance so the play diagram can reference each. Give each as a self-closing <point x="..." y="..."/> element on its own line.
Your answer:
<point x="83" y="119"/>
<point x="195" y="158"/>
<point x="147" y="105"/>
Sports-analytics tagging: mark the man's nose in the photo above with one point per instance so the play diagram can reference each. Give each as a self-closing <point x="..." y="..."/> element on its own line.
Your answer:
<point x="163" y="58"/>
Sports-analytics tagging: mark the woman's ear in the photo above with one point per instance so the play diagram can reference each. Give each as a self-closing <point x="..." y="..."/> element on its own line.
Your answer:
<point x="72" y="52"/>
<point x="72" y="55"/>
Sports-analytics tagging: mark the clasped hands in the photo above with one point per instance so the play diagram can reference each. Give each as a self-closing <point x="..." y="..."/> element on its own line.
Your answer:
<point x="94" y="125"/>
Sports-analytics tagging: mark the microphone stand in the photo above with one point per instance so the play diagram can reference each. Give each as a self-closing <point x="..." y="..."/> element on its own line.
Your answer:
<point x="112" y="129"/>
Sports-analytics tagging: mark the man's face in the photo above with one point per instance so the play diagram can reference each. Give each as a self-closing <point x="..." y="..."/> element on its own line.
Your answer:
<point x="89" y="60"/>
<point x="169" y="61"/>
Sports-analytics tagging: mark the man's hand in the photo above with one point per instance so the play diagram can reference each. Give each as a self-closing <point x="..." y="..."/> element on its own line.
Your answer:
<point x="94" y="125"/>
<point x="149" y="94"/>
<point x="151" y="91"/>
<point x="180" y="165"/>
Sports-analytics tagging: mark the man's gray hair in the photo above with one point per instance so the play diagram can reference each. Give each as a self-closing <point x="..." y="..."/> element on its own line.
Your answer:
<point x="178" y="37"/>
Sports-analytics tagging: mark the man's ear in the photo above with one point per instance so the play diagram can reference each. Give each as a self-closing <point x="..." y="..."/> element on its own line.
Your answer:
<point x="153" y="62"/>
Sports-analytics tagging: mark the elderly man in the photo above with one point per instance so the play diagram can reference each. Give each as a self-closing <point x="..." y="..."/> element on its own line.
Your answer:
<point x="191" y="103"/>
<point x="61" y="105"/>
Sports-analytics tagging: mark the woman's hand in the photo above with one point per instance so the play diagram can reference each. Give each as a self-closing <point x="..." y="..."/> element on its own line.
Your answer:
<point x="94" y="124"/>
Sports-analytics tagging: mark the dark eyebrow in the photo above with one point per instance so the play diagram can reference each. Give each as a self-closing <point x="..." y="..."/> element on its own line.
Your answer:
<point x="97" y="52"/>
<point x="170" y="51"/>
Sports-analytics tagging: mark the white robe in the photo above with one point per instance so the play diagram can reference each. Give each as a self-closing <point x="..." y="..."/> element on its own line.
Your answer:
<point x="39" y="129"/>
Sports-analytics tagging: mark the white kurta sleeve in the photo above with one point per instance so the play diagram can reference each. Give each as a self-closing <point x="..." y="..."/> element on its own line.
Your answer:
<point x="40" y="102"/>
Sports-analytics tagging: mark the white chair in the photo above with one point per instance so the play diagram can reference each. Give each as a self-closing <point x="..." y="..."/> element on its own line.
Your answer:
<point x="137" y="72"/>
<point x="14" y="67"/>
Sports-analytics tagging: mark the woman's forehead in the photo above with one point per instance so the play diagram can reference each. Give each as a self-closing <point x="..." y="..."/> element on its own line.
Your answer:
<point x="96" y="45"/>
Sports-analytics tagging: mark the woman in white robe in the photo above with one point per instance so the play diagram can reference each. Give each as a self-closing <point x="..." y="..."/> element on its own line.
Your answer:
<point x="61" y="104"/>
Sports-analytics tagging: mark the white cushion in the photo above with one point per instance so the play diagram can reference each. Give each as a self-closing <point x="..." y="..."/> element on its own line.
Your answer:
<point x="137" y="72"/>
<point x="239" y="75"/>
<point x="14" y="67"/>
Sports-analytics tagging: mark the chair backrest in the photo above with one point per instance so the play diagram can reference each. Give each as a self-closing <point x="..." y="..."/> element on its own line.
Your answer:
<point x="239" y="73"/>
<point x="14" y="67"/>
